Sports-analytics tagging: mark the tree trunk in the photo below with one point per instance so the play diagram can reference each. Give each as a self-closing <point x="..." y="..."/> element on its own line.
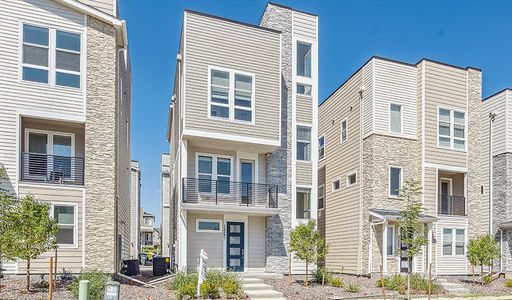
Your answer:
<point x="473" y="271"/>
<point x="306" y="276"/>
<point x="28" y="275"/>
<point x="482" y="274"/>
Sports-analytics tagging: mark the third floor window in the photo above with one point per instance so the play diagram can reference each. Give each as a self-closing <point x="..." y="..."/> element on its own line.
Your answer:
<point x="451" y="129"/>
<point x="231" y="95"/>
<point x="303" y="59"/>
<point x="51" y="56"/>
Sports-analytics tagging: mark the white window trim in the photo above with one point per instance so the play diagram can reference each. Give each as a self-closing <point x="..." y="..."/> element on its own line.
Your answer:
<point x="304" y="141"/>
<point x="452" y="129"/>
<point x="50" y="135"/>
<point x="231" y="96"/>
<point x="299" y="78"/>
<point x="389" y="180"/>
<point x="304" y="190"/>
<point x="332" y="185"/>
<point x="214" y="168"/>
<point x="393" y="232"/>
<point x="322" y="186"/>
<point x="319" y="148"/>
<point x="75" y="225"/>
<point x="207" y="230"/>
<point x="454" y="241"/>
<point x="52" y="60"/>
<point x="350" y="174"/>
<point x="401" y="118"/>
<point x="346" y="131"/>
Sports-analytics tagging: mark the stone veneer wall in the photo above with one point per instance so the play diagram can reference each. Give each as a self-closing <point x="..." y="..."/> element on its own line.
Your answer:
<point x="502" y="203"/>
<point x="100" y="148"/>
<point x="379" y="152"/>
<point x="278" y="163"/>
<point x="474" y="175"/>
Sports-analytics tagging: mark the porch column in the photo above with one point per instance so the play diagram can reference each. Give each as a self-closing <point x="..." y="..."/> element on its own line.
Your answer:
<point x="385" y="246"/>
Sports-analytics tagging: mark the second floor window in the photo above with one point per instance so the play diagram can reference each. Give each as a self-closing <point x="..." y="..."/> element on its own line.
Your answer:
<point x="451" y="129"/>
<point x="395" y="118"/>
<point x="303" y="143"/>
<point x="321" y="147"/>
<point x="231" y="95"/>
<point x="303" y="59"/>
<point x="214" y="170"/>
<point x="56" y="63"/>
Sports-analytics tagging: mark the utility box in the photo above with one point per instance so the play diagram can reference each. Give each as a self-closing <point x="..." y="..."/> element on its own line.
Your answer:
<point x="112" y="290"/>
<point x="161" y="265"/>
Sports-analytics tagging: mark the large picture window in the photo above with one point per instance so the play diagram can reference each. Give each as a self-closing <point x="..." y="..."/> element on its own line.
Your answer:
<point x="65" y="51"/>
<point x="451" y="129"/>
<point x="212" y="169"/>
<point x="231" y="95"/>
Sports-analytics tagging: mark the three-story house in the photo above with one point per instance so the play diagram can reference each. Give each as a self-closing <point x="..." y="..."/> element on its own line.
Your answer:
<point x="242" y="124"/>
<point x="65" y="105"/>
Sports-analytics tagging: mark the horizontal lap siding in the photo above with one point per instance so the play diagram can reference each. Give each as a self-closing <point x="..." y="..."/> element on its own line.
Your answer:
<point x="303" y="173"/>
<point x="256" y="242"/>
<point x="106" y="6"/>
<point x="342" y="207"/>
<point x="452" y="265"/>
<point x="213" y="243"/>
<point x="304" y="110"/>
<point x="395" y="83"/>
<point x="16" y="95"/>
<point x="304" y="26"/>
<point x="67" y="258"/>
<point x="430" y="192"/>
<point x="444" y="86"/>
<point x="214" y="42"/>
<point x="367" y="101"/>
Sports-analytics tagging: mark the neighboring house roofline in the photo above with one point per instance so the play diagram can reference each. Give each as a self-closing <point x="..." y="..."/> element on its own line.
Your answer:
<point x="497" y="93"/>
<point x="398" y="62"/>
<point x="119" y="25"/>
<point x="232" y="21"/>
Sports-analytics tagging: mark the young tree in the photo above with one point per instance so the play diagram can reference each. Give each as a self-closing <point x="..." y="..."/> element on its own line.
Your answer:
<point x="28" y="230"/>
<point x="308" y="245"/>
<point x="411" y="229"/>
<point x="482" y="251"/>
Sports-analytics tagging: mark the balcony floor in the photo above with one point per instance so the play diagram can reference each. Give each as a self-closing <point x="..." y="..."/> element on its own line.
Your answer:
<point x="230" y="208"/>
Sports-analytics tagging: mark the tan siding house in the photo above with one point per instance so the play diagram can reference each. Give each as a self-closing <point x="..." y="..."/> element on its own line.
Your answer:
<point x="66" y="132"/>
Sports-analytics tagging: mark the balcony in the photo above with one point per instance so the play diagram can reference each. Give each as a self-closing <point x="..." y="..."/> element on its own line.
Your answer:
<point x="52" y="169"/>
<point x="229" y="193"/>
<point x="451" y="205"/>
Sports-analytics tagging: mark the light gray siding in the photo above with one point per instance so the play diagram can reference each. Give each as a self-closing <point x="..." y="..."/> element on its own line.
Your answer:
<point x="367" y="99"/>
<point x="305" y="26"/>
<point x="256" y="243"/>
<point x="303" y="176"/>
<point x="219" y="43"/>
<point x="106" y="6"/>
<point x="213" y="243"/>
<point x="304" y="109"/>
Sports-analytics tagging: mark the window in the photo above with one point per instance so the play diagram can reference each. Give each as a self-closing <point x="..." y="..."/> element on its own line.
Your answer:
<point x="395" y="181"/>
<point x="303" y="59"/>
<point x="39" y="145"/>
<point x="351" y="179"/>
<point x="344" y="131"/>
<point x="395" y="118"/>
<point x="148" y="237"/>
<point x="451" y="129"/>
<point x="148" y="221"/>
<point x="37" y="50"/>
<point x="321" y="147"/>
<point x="303" y="204"/>
<point x="64" y="216"/>
<point x="336" y="185"/>
<point x="303" y="89"/>
<point x="206" y="225"/>
<point x="35" y="54"/>
<point x="213" y="169"/>
<point x="231" y="95"/>
<point x="454" y="241"/>
<point x="303" y="143"/>
<point x="390" y="240"/>
<point x="321" y="197"/>
<point x="67" y="59"/>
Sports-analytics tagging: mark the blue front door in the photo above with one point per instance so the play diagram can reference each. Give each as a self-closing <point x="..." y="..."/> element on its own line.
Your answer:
<point x="235" y="246"/>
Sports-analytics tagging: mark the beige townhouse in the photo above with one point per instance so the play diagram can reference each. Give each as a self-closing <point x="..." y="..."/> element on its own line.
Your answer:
<point x="135" y="208"/>
<point x="65" y="105"/>
<point x="496" y="143"/>
<point x="242" y="124"/>
<point x="165" y="198"/>
<point x="389" y="123"/>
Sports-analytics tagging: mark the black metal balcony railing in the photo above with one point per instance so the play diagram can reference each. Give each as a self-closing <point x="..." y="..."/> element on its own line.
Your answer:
<point x="228" y="192"/>
<point x="54" y="169"/>
<point x="451" y="205"/>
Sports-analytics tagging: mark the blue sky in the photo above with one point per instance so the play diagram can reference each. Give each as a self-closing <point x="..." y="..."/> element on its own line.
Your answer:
<point x="465" y="33"/>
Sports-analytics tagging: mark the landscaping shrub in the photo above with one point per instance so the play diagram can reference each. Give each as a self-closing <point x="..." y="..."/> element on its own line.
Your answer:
<point x="97" y="281"/>
<point x="322" y="274"/>
<point x="184" y="285"/>
<point x="335" y="281"/>
<point x="231" y="285"/>
<point x="418" y="284"/>
<point x="487" y="279"/>
<point x="353" y="287"/>
<point x="508" y="283"/>
<point x="210" y="289"/>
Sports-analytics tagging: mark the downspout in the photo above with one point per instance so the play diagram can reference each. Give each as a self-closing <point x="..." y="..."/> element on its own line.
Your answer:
<point x="492" y="117"/>
<point x="501" y="251"/>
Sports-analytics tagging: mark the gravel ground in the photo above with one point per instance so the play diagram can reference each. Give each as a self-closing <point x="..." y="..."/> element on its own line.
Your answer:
<point x="14" y="289"/>
<point x="297" y="291"/>
<point x="495" y="288"/>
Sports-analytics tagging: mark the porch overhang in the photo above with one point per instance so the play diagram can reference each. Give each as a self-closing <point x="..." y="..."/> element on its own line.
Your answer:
<point x="380" y="215"/>
<point x="506" y="225"/>
<point x="230" y="209"/>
